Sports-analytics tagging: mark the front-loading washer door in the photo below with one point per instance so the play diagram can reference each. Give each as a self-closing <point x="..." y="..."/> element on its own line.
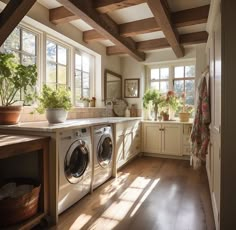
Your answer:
<point x="104" y="150"/>
<point x="76" y="161"/>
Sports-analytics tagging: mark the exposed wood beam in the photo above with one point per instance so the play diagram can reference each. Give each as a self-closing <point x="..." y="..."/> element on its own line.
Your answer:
<point x="61" y="15"/>
<point x="11" y="15"/>
<point x="162" y="18"/>
<point x="185" y="39"/>
<point x="180" y="19"/>
<point x="101" y="22"/>
<point x="105" y="6"/>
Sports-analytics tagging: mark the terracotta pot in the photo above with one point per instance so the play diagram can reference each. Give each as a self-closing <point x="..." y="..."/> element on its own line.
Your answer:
<point x="10" y="115"/>
<point x="165" y="117"/>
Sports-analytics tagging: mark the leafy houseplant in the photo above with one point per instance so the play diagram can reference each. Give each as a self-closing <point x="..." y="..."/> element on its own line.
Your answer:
<point x="15" y="78"/>
<point x="56" y="103"/>
<point x="153" y="96"/>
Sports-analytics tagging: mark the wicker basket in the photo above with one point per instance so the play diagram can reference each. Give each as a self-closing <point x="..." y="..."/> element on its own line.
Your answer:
<point x="15" y="210"/>
<point x="184" y="116"/>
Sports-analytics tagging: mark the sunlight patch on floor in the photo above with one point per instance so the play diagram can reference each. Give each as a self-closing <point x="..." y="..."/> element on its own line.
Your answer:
<point x="131" y="198"/>
<point x="82" y="220"/>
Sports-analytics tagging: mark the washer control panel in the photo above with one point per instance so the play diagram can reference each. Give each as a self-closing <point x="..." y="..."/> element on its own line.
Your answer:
<point x="83" y="132"/>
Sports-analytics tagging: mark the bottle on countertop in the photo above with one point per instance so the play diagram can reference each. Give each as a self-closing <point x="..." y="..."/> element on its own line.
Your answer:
<point x="127" y="112"/>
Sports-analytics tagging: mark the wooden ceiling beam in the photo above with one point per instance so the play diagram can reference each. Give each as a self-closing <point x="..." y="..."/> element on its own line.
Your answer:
<point x="102" y="23"/>
<point x="154" y="44"/>
<point x="61" y="15"/>
<point x="106" y="6"/>
<point x="162" y="17"/>
<point x="180" y="19"/>
<point x="11" y="15"/>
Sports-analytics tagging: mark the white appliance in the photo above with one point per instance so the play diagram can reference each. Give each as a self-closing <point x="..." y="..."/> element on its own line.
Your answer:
<point x="75" y="166"/>
<point x="103" y="154"/>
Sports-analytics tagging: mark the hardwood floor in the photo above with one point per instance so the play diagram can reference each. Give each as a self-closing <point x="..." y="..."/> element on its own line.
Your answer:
<point x="148" y="194"/>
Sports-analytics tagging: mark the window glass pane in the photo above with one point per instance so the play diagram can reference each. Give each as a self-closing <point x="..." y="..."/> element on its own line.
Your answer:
<point x="179" y="86"/>
<point x="154" y="74"/>
<point x="164" y="73"/>
<point x="51" y="73"/>
<point x="85" y="92"/>
<point x="51" y="51"/>
<point x="155" y="85"/>
<point x="28" y="60"/>
<point x="62" y="55"/>
<point x="85" y="62"/>
<point x="77" y="61"/>
<point x="189" y="86"/>
<point x="179" y="72"/>
<point x="28" y="42"/>
<point x="78" y="79"/>
<point x="189" y="98"/>
<point x="61" y="71"/>
<point x="77" y="94"/>
<point x="190" y="71"/>
<point x="52" y="85"/>
<point x="13" y="41"/>
<point x="85" y="80"/>
<point x="164" y="86"/>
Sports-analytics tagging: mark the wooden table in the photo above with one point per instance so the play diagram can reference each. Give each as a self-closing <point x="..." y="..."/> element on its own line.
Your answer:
<point x="16" y="145"/>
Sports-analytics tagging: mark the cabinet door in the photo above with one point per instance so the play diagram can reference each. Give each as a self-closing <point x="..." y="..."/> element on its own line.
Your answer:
<point x="171" y="139"/>
<point x="152" y="138"/>
<point x="128" y="138"/>
<point x="120" y="158"/>
<point x="136" y="142"/>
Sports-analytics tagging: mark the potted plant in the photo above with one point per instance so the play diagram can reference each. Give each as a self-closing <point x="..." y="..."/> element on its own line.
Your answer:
<point x="153" y="96"/>
<point x="85" y="101"/>
<point x="184" y="115"/>
<point x="56" y="103"/>
<point x="171" y="105"/>
<point x="15" y="78"/>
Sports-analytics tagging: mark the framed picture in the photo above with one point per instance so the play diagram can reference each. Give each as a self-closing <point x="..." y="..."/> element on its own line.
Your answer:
<point x="132" y="88"/>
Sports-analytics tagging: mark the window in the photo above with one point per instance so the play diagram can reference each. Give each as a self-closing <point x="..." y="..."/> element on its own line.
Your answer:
<point x="56" y="72"/>
<point x="23" y="44"/>
<point x="184" y="81"/>
<point x="160" y="79"/>
<point x="83" y="75"/>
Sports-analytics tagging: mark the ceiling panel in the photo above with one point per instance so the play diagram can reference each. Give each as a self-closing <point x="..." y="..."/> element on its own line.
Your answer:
<point x="81" y="25"/>
<point x="49" y="4"/>
<point x="148" y="36"/>
<point x="130" y="14"/>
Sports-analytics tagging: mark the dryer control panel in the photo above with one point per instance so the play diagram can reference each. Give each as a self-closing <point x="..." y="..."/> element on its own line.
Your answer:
<point x="83" y="132"/>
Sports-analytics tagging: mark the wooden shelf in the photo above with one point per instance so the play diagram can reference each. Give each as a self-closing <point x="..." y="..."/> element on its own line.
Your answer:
<point x="16" y="145"/>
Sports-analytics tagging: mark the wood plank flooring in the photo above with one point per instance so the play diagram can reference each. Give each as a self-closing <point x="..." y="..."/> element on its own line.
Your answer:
<point x="148" y="194"/>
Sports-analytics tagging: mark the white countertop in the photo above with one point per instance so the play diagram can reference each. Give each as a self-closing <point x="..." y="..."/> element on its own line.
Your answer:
<point x="44" y="126"/>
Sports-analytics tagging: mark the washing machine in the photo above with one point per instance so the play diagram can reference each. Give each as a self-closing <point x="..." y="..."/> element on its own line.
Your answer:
<point x="103" y="154"/>
<point x="75" y="166"/>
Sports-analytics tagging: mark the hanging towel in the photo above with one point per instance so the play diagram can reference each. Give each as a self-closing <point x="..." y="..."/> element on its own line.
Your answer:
<point x="200" y="134"/>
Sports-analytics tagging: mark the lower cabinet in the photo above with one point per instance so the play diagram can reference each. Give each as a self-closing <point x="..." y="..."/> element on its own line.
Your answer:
<point x="128" y="140"/>
<point x="166" y="138"/>
<point x="162" y="138"/>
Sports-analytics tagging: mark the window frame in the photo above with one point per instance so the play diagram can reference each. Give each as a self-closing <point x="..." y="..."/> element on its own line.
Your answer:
<point x="91" y="74"/>
<point x="172" y="78"/>
<point x="57" y="43"/>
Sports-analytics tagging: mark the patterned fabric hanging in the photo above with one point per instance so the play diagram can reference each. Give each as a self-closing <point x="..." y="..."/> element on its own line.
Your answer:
<point x="200" y="134"/>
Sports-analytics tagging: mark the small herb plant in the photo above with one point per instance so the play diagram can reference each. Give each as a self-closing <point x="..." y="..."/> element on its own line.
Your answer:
<point x="54" y="99"/>
<point x="15" y="77"/>
<point x="85" y="99"/>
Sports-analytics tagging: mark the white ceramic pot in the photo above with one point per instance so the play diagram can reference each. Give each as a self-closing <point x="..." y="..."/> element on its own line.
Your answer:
<point x="56" y="115"/>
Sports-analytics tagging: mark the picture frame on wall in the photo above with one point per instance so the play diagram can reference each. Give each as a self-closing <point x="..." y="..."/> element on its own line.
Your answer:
<point x="131" y="88"/>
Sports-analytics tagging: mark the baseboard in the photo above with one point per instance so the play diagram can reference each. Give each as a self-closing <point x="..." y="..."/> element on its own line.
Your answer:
<point x="185" y="157"/>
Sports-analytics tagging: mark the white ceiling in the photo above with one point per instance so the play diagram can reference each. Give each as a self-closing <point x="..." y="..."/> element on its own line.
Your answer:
<point x="139" y="12"/>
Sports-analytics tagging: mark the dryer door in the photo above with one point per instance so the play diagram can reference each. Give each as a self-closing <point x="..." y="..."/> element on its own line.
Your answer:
<point x="76" y="161"/>
<point x="104" y="150"/>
